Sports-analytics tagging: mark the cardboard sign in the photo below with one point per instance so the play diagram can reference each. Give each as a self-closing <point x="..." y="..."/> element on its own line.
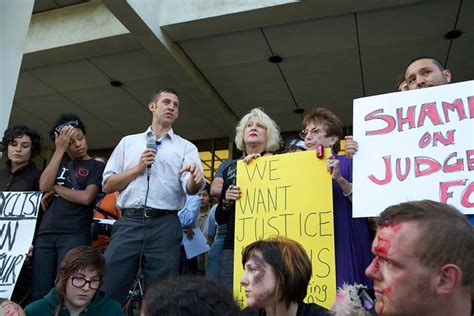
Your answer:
<point x="18" y="213"/>
<point x="415" y="145"/>
<point x="288" y="195"/>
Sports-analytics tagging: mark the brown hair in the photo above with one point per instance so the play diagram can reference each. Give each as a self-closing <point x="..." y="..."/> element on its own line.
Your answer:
<point x="327" y="120"/>
<point x="435" y="61"/>
<point x="156" y="94"/>
<point x="75" y="260"/>
<point x="290" y="263"/>
<point x="445" y="235"/>
<point x="399" y="82"/>
<point x="19" y="130"/>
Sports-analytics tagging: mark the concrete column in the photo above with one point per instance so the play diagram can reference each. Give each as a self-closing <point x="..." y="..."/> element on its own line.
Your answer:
<point x="15" y="18"/>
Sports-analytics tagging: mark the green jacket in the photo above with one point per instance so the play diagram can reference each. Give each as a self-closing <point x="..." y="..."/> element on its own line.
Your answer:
<point x="100" y="305"/>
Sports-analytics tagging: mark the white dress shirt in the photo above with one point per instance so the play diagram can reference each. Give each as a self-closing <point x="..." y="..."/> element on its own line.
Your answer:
<point x="167" y="189"/>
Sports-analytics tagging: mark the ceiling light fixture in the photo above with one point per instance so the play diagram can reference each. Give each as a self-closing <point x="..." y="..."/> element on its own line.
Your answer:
<point x="115" y="83"/>
<point x="453" y="34"/>
<point x="275" y="59"/>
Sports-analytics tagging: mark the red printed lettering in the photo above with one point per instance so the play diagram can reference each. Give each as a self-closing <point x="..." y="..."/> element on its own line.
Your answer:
<point x="470" y="159"/>
<point x="465" y="199"/>
<point x="388" y="173"/>
<point x="466" y="195"/>
<point x="386" y="118"/>
<point x="445" y="195"/>
<point x="456" y="105"/>
<point x="410" y="119"/>
<point x="429" y="110"/>
<point x="431" y="164"/>
<point x="470" y="101"/>
<point x="398" y="168"/>
<point x="457" y="166"/>
<point x="448" y="140"/>
<point x="425" y="140"/>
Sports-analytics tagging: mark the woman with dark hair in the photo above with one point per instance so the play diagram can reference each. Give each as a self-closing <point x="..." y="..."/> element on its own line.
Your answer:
<point x="322" y="128"/>
<point x="21" y="144"/>
<point x="70" y="190"/>
<point x="76" y="291"/>
<point x="277" y="272"/>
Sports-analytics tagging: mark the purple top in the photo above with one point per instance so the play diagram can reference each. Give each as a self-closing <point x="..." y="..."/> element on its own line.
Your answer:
<point x="352" y="241"/>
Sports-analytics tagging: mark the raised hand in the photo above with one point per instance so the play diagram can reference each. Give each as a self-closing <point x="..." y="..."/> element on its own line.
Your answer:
<point x="195" y="180"/>
<point x="351" y="146"/>
<point x="251" y="157"/>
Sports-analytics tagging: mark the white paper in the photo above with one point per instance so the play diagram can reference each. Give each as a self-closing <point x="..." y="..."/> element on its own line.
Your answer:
<point x="196" y="246"/>
<point x="18" y="213"/>
<point x="414" y="144"/>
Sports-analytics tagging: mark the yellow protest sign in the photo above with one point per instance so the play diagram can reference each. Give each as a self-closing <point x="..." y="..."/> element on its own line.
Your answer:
<point x="288" y="195"/>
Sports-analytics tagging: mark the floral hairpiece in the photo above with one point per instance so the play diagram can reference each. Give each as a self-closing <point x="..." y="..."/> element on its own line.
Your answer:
<point x="352" y="300"/>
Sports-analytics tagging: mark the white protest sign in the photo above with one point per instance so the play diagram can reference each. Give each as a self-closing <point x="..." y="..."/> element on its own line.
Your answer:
<point x="18" y="213"/>
<point x="414" y="145"/>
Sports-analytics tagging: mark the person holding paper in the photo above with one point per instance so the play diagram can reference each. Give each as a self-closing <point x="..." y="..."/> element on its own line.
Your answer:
<point x="256" y="135"/>
<point x="188" y="216"/>
<point x="322" y="128"/>
<point x="21" y="144"/>
<point x="425" y="72"/>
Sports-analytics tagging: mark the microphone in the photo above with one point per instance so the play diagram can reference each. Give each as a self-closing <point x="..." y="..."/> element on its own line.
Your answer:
<point x="150" y="144"/>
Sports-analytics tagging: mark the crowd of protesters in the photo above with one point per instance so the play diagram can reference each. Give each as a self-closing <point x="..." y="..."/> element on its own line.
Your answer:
<point x="154" y="190"/>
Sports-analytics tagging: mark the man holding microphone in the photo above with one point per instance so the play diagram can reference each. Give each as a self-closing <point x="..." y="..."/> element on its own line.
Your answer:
<point x="153" y="171"/>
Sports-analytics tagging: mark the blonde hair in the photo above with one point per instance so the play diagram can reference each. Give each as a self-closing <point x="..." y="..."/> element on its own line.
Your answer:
<point x="274" y="139"/>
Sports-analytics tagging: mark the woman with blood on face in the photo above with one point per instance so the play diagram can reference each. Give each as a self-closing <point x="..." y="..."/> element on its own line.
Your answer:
<point x="351" y="235"/>
<point x="256" y="135"/>
<point x="69" y="193"/>
<point x="276" y="275"/>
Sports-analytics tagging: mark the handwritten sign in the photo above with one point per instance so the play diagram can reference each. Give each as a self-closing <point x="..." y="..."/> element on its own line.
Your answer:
<point x="415" y="145"/>
<point x="288" y="195"/>
<point x="18" y="213"/>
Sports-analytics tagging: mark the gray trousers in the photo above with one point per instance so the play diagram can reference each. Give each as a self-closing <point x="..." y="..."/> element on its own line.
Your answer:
<point x="157" y="240"/>
<point x="226" y="273"/>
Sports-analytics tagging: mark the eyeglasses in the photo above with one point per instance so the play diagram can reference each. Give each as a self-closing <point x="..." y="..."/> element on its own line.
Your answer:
<point x="313" y="132"/>
<point x="74" y="123"/>
<point x="80" y="282"/>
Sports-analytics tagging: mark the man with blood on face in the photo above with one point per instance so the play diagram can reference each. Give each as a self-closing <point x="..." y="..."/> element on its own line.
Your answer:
<point x="423" y="262"/>
<point x="277" y="272"/>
